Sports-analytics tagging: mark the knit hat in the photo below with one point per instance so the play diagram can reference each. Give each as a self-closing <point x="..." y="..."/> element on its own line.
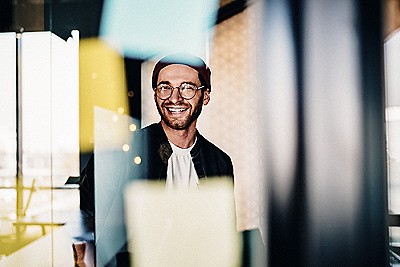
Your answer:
<point x="184" y="59"/>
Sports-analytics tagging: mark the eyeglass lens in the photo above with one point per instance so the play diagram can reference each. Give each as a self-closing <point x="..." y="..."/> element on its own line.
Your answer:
<point x="187" y="91"/>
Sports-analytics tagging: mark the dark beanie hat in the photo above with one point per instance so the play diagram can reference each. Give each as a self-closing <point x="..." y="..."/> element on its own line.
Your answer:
<point x="184" y="59"/>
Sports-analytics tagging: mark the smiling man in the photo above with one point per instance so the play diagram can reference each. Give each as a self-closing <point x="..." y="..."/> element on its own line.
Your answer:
<point x="173" y="149"/>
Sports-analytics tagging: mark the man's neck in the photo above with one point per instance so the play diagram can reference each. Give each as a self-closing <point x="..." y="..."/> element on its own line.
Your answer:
<point x="181" y="138"/>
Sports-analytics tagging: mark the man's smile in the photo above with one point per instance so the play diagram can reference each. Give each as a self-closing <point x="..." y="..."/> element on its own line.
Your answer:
<point x="176" y="110"/>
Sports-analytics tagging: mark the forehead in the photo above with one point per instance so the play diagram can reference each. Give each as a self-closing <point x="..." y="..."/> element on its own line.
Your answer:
<point x="178" y="73"/>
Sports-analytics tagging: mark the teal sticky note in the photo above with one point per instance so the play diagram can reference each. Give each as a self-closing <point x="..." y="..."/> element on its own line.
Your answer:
<point x="144" y="28"/>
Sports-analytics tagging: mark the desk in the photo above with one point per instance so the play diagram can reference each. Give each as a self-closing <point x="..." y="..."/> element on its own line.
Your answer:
<point x="25" y="223"/>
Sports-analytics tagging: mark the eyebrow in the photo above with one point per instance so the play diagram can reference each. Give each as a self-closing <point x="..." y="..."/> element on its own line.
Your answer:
<point x="169" y="83"/>
<point x="163" y="82"/>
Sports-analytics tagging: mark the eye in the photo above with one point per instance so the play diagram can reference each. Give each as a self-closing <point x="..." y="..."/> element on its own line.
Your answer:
<point x="188" y="87"/>
<point x="164" y="87"/>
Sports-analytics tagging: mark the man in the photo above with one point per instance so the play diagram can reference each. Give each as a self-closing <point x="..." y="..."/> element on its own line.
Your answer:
<point x="173" y="149"/>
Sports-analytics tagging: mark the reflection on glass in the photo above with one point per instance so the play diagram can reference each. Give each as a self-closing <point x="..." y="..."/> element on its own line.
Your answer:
<point x="137" y="160"/>
<point x="113" y="160"/>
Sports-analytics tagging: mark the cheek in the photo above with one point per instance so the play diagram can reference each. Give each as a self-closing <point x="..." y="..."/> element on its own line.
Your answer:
<point x="197" y="103"/>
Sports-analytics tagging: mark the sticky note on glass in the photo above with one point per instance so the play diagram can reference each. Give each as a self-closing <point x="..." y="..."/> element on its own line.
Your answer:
<point x="182" y="228"/>
<point x="102" y="82"/>
<point x="144" y="28"/>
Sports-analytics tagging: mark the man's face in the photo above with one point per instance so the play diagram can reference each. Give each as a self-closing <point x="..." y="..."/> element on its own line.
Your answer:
<point x="175" y="111"/>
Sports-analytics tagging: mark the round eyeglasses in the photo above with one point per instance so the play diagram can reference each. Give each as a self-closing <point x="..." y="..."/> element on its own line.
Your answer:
<point x="186" y="90"/>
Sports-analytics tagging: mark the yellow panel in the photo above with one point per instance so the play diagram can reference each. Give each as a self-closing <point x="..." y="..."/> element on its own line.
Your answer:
<point x="102" y="83"/>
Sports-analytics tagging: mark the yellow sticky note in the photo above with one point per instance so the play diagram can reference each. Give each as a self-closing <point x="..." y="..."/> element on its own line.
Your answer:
<point x="102" y="83"/>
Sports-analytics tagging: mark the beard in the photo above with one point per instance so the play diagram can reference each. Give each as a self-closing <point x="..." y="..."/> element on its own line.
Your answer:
<point x="184" y="121"/>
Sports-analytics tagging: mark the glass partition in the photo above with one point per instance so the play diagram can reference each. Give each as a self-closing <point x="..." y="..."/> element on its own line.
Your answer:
<point x="8" y="139"/>
<point x="40" y="148"/>
<point x="113" y="160"/>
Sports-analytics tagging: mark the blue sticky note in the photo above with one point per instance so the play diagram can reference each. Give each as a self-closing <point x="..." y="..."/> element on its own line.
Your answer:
<point x="144" y="28"/>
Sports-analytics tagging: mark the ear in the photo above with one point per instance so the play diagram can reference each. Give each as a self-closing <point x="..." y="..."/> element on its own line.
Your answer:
<point x="206" y="97"/>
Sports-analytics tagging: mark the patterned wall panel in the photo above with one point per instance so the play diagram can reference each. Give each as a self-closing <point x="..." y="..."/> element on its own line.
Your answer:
<point x="231" y="119"/>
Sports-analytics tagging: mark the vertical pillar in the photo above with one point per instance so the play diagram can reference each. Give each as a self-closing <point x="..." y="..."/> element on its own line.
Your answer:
<point x="324" y="133"/>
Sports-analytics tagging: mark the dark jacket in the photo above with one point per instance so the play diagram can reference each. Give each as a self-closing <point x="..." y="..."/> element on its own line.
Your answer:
<point x="155" y="150"/>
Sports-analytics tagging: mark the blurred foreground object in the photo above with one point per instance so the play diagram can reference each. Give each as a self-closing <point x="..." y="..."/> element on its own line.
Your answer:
<point x="102" y="83"/>
<point x="184" y="227"/>
<point x="141" y="29"/>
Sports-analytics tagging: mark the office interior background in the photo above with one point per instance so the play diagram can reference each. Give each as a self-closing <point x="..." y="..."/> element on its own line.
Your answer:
<point x="304" y="100"/>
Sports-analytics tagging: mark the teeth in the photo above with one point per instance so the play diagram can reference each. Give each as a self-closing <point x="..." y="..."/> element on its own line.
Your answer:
<point x="176" y="109"/>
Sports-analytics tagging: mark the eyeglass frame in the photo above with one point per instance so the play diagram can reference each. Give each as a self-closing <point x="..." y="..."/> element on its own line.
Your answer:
<point x="179" y="90"/>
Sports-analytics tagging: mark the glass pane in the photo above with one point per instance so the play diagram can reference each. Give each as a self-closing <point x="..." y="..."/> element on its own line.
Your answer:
<point x="392" y="83"/>
<point x="7" y="108"/>
<point x="113" y="158"/>
<point x="45" y="68"/>
<point x="7" y="139"/>
<point x="392" y="52"/>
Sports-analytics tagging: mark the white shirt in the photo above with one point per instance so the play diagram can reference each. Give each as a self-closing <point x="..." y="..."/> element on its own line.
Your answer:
<point x="181" y="173"/>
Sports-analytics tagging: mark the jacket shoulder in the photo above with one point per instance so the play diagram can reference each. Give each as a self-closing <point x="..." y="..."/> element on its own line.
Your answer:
<point x="215" y="158"/>
<point x="215" y="149"/>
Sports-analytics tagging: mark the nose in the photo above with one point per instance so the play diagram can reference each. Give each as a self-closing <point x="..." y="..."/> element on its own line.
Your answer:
<point x="175" y="95"/>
